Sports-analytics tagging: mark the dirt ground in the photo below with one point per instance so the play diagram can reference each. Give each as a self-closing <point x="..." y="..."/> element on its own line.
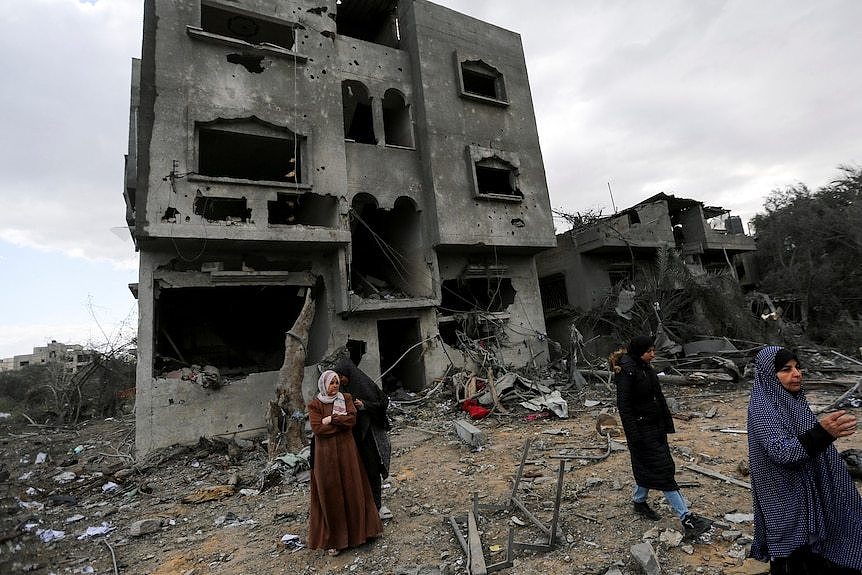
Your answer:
<point x="433" y="475"/>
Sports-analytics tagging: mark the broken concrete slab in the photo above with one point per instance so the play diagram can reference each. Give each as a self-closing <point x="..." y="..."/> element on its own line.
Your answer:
<point x="469" y="433"/>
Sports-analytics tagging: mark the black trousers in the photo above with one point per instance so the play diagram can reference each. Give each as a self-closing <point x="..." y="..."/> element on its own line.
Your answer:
<point x="373" y="469"/>
<point x="803" y="561"/>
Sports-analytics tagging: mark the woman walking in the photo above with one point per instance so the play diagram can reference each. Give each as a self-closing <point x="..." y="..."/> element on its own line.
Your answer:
<point x="647" y="421"/>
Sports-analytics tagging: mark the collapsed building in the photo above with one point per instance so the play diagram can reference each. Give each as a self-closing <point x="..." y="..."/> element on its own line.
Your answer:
<point x="599" y="258"/>
<point x="387" y="148"/>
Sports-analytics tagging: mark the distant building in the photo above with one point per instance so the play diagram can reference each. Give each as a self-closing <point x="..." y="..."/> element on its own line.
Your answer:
<point x="73" y="356"/>
<point x="595" y="260"/>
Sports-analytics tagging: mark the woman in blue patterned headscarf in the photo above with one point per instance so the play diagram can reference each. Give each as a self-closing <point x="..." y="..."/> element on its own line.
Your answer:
<point x="807" y="512"/>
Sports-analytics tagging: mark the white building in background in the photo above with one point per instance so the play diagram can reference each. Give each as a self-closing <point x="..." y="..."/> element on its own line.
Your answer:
<point x="73" y="355"/>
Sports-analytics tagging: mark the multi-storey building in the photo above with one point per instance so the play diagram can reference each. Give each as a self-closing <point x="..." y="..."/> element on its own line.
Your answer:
<point x="70" y="356"/>
<point x="389" y="148"/>
<point x="598" y="258"/>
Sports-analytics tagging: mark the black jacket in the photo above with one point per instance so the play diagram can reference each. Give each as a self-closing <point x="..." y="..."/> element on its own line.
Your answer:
<point x="647" y="421"/>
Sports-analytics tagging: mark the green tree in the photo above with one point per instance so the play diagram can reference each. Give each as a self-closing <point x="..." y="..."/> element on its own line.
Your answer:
<point x="809" y="245"/>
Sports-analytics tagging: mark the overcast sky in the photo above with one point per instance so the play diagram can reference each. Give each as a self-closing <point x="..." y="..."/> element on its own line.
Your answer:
<point x="720" y="101"/>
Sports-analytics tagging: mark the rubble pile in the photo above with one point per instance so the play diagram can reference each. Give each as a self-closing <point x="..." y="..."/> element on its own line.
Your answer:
<point x="546" y="456"/>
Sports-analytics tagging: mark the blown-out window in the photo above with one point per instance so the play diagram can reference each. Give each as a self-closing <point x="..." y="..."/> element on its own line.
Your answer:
<point x="495" y="174"/>
<point x="249" y="150"/>
<point x="252" y="29"/>
<point x="480" y="80"/>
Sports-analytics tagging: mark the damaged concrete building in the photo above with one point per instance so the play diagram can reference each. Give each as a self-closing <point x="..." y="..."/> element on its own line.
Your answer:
<point x="595" y="260"/>
<point x="389" y="148"/>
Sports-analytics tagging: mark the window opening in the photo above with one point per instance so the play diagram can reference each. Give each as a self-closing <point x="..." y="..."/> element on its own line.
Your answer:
<point x="222" y="209"/>
<point x="254" y="30"/>
<point x="358" y="117"/>
<point x="239" y="329"/>
<point x="492" y="294"/>
<point x="394" y="338"/>
<point x="375" y="22"/>
<point x="553" y="291"/>
<point x="229" y="154"/>
<point x="493" y="180"/>
<point x="480" y="79"/>
<point x="386" y="253"/>
<point x="397" y="126"/>
<point x="634" y="217"/>
<point x="307" y="209"/>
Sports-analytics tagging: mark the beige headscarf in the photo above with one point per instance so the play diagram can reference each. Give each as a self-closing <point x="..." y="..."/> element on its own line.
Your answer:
<point x="338" y="407"/>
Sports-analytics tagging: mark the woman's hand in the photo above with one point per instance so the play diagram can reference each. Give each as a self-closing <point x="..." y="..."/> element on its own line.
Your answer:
<point x="358" y="403"/>
<point x="326" y="420"/>
<point x="839" y="424"/>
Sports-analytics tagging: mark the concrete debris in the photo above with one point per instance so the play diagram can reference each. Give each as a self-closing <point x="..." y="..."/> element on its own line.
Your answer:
<point x="145" y="526"/>
<point x="469" y="433"/>
<point x="671" y="537"/>
<point x="739" y="517"/>
<point x="645" y="556"/>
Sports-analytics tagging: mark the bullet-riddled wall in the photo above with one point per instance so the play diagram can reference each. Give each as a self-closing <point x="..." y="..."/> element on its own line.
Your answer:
<point x="387" y="149"/>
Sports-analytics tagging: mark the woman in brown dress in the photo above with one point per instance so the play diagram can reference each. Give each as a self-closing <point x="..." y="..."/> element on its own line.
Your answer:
<point x="342" y="513"/>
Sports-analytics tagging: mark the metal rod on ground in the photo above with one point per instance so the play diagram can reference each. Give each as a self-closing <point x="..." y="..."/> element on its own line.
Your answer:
<point x="520" y="469"/>
<point x="536" y="521"/>
<point x="556" y="518"/>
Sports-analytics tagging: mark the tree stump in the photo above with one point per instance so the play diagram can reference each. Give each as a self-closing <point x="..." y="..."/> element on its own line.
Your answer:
<point x="285" y="418"/>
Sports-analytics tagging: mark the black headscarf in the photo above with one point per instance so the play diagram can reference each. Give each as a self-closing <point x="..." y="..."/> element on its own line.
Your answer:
<point x="782" y="356"/>
<point x="639" y="345"/>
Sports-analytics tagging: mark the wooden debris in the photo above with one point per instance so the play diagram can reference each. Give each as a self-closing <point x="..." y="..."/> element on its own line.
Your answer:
<point x="717" y="475"/>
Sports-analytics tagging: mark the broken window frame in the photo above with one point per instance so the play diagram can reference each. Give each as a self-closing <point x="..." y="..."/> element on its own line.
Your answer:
<point x="480" y="159"/>
<point x="198" y="33"/>
<point x="379" y="18"/>
<point x="403" y="124"/>
<point x="254" y="127"/>
<point x="478" y="67"/>
<point x="553" y="291"/>
<point x="348" y="85"/>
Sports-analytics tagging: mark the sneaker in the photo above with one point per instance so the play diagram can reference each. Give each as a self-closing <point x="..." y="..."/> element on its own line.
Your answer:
<point x="695" y="526"/>
<point x="643" y="509"/>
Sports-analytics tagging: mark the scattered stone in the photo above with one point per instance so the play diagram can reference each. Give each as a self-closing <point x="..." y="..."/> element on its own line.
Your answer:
<point x="730" y="535"/>
<point x="653" y="533"/>
<point x="644" y="554"/>
<point x="739" y="517"/>
<point x="711" y="412"/>
<point x="688" y="549"/>
<point x="742" y="467"/>
<point x="671" y="537"/>
<point x="145" y="526"/>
